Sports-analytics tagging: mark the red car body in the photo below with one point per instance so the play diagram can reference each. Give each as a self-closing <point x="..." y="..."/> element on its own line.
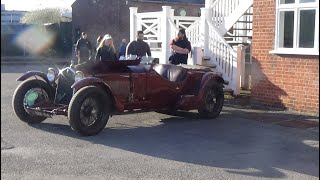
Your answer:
<point x="113" y="87"/>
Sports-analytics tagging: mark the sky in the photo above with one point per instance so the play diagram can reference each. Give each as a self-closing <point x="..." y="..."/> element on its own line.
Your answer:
<point x="28" y="5"/>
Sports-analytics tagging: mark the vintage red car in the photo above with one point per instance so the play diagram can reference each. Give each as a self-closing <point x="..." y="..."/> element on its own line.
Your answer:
<point x="90" y="93"/>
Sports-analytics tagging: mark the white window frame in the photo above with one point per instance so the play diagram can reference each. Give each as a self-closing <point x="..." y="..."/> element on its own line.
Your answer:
<point x="296" y="7"/>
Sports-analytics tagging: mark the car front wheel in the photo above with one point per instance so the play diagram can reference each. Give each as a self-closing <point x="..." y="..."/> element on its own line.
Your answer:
<point x="31" y="93"/>
<point x="89" y="110"/>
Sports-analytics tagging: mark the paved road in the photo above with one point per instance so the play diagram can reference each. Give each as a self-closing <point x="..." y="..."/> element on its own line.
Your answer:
<point x="235" y="146"/>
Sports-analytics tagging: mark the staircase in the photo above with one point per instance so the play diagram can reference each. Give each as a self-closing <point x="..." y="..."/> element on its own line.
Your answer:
<point x="228" y="24"/>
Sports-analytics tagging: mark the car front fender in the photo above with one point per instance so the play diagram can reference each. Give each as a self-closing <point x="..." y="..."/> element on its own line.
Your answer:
<point x="88" y="81"/>
<point x="207" y="78"/>
<point x="33" y="73"/>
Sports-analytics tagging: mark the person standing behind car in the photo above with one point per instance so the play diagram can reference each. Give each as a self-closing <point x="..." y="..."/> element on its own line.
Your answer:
<point x="106" y="50"/>
<point x="99" y="39"/>
<point x="180" y="47"/>
<point x="139" y="47"/>
<point x="122" y="47"/>
<point x="83" y="48"/>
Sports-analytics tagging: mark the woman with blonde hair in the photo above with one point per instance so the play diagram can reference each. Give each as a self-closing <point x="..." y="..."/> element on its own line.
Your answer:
<point x="106" y="50"/>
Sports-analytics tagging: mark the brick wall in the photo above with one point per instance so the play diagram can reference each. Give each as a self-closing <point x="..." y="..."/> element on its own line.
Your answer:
<point x="282" y="81"/>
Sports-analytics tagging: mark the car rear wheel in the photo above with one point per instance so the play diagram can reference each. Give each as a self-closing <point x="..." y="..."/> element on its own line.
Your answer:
<point x="31" y="93"/>
<point x="212" y="102"/>
<point x="89" y="110"/>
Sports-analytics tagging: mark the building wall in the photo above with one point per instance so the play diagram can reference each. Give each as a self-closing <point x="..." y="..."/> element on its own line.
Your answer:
<point x="112" y="16"/>
<point x="11" y="17"/>
<point x="282" y="81"/>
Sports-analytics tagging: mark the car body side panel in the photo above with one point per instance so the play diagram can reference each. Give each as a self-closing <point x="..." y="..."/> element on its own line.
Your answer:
<point x="139" y="86"/>
<point x="161" y="92"/>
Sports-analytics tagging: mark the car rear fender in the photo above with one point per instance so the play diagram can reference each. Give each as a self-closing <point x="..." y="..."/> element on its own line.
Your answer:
<point x="33" y="73"/>
<point x="208" y="79"/>
<point x="89" y="81"/>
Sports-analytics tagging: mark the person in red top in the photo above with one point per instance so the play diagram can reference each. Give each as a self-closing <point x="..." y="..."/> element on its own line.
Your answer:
<point x="180" y="47"/>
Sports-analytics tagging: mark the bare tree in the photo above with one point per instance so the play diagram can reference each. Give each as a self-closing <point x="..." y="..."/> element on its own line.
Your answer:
<point x="42" y="16"/>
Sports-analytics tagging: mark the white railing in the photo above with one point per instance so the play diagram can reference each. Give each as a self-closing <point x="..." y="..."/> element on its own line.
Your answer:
<point x="225" y="13"/>
<point x="221" y="9"/>
<point x="192" y="27"/>
<point x="222" y="55"/>
<point x="242" y="29"/>
<point x="150" y="24"/>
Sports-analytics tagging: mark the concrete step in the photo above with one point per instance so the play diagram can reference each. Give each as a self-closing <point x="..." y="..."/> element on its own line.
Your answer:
<point x="228" y="91"/>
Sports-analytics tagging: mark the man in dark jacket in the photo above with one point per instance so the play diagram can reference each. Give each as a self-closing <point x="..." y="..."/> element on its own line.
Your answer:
<point x="83" y="48"/>
<point x="139" y="47"/>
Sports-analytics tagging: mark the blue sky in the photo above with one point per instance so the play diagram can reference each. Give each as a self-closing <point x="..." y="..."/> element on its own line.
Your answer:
<point x="27" y="5"/>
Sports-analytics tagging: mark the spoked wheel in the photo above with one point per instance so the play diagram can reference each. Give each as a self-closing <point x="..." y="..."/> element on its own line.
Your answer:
<point x="89" y="110"/>
<point x="31" y="93"/>
<point x="212" y="102"/>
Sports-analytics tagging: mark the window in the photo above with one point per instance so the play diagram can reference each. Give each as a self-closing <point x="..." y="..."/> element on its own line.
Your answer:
<point x="297" y="27"/>
<point x="182" y="12"/>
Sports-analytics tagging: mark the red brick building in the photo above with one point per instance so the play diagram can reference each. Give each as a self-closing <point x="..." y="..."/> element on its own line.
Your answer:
<point x="99" y="17"/>
<point x="285" y="54"/>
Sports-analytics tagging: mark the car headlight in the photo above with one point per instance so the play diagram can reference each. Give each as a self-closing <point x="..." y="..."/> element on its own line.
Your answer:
<point x="78" y="76"/>
<point x="51" y="75"/>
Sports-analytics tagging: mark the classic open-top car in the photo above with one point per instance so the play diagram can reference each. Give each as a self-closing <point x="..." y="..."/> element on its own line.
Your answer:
<point x="88" y="94"/>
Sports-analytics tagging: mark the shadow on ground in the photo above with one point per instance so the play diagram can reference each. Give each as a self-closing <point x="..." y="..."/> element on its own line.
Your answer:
<point x="232" y="141"/>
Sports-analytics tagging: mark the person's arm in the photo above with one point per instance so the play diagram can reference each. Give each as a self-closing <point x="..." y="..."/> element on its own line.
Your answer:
<point x="148" y="50"/>
<point x="98" y="54"/>
<point x="189" y="46"/>
<point x="89" y="45"/>
<point x="77" y="47"/>
<point x="131" y="48"/>
<point x="179" y="50"/>
<point x="115" y="56"/>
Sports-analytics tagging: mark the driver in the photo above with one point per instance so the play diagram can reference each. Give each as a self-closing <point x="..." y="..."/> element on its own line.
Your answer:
<point x="139" y="47"/>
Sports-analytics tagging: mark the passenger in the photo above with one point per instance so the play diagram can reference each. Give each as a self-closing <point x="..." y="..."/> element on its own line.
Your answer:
<point x="139" y="47"/>
<point x="106" y="50"/>
<point x="180" y="47"/>
<point x="83" y="48"/>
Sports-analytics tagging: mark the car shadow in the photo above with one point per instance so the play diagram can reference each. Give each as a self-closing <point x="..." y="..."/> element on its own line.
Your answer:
<point x="239" y="145"/>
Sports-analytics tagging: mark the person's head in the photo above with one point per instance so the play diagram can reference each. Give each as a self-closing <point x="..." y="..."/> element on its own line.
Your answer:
<point x="124" y="41"/>
<point x="84" y="35"/>
<point x="107" y="41"/>
<point x="99" y="39"/>
<point x="182" y="33"/>
<point x="140" y="35"/>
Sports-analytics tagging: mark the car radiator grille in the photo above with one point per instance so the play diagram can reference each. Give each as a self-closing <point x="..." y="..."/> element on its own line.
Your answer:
<point x="64" y="91"/>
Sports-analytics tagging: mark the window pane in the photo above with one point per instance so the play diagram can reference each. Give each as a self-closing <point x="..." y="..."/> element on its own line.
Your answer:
<point x="287" y="1"/>
<point x="286" y="28"/>
<point x="307" y="1"/>
<point x="307" y="27"/>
